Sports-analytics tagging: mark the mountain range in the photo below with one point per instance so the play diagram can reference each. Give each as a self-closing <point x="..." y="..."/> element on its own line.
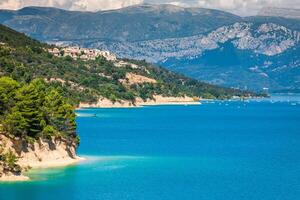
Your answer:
<point x="133" y="23"/>
<point x="85" y="78"/>
<point x="257" y="52"/>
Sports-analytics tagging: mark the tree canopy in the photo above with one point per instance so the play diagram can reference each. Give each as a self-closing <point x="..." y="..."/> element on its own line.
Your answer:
<point x="25" y="59"/>
<point x="35" y="110"/>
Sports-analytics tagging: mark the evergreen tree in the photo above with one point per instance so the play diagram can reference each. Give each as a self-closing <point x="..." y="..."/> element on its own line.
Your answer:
<point x="59" y="114"/>
<point x="35" y="110"/>
<point x="28" y="104"/>
<point x="16" y="124"/>
<point x="8" y="89"/>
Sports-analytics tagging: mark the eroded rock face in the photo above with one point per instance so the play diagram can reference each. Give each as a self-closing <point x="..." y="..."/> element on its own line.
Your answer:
<point x="245" y="55"/>
<point x="9" y="171"/>
<point x="44" y="152"/>
<point x="267" y="39"/>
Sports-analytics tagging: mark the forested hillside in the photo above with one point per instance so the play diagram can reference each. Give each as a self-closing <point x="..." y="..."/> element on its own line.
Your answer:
<point x="132" y="23"/>
<point x="35" y="110"/>
<point x="24" y="60"/>
<point x="29" y="113"/>
<point x="258" y="53"/>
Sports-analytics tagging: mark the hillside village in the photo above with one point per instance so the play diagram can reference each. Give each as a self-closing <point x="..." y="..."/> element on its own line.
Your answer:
<point x="91" y="54"/>
<point x="76" y="52"/>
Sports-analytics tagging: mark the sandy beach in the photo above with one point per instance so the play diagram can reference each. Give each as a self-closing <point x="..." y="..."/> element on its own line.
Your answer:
<point x="42" y="165"/>
<point x="55" y="163"/>
<point x="157" y="100"/>
<point x="13" y="178"/>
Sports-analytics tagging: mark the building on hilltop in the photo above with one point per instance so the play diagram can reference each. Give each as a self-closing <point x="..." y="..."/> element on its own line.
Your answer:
<point x="82" y="53"/>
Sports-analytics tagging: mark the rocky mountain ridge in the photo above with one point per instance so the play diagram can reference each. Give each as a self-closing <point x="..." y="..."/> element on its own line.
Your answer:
<point x="206" y="44"/>
<point x="133" y="23"/>
<point x="268" y="39"/>
<point x="267" y="54"/>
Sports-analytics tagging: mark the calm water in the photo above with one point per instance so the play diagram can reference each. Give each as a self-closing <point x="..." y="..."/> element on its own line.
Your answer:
<point x="215" y="151"/>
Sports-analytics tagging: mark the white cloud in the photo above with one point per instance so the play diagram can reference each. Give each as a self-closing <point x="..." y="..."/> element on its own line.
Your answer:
<point x="93" y="5"/>
<point x="242" y="7"/>
<point x="90" y="5"/>
<point x="10" y="4"/>
<point x="178" y="3"/>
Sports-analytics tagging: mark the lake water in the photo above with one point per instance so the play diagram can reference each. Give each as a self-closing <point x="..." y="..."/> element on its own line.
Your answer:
<point x="228" y="150"/>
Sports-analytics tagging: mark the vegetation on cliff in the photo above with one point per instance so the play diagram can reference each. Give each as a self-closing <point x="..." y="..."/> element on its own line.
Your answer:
<point x="38" y="91"/>
<point x="32" y="111"/>
<point x="25" y="59"/>
<point x="35" y="110"/>
<point x="8" y="163"/>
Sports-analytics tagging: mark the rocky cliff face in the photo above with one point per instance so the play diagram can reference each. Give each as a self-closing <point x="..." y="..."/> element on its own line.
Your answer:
<point x="246" y="55"/>
<point x="256" y="53"/>
<point x="133" y="23"/>
<point x="41" y="153"/>
<point x="267" y="39"/>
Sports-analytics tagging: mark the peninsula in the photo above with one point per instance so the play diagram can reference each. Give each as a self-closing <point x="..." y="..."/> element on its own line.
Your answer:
<point x="38" y="128"/>
<point x="42" y="84"/>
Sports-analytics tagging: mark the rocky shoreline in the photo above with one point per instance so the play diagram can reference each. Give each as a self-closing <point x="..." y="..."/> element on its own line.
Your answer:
<point x="157" y="100"/>
<point x="43" y="153"/>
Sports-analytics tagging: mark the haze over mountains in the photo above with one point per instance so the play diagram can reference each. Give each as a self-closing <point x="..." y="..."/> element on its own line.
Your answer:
<point x="256" y="52"/>
<point x="133" y="23"/>
<point x="280" y="12"/>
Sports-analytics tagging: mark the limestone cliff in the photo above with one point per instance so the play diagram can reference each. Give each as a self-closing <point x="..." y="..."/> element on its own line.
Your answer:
<point x="157" y="100"/>
<point x="41" y="153"/>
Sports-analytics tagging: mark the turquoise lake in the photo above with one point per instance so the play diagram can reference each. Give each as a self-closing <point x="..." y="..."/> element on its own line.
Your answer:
<point x="227" y="150"/>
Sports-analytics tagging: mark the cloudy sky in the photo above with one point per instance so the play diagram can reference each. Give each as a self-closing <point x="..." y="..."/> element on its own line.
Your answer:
<point x="241" y="7"/>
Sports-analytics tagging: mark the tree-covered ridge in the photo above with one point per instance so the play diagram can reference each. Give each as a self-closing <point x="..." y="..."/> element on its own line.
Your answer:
<point x="25" y="59"/>
<point x="29" y="112"/>
<point x="16" y="39"/>
<point x="35" y="110"/>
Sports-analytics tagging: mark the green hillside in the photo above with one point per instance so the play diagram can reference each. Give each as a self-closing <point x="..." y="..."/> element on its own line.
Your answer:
<point x="139" y="22"/>
<point x="24" y="59"/>
<point x="33" y="106"/>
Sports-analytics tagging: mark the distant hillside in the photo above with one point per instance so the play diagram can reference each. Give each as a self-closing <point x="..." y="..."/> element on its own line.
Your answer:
<point x="210" y="45"/>
<point x="141" y="22"/>
<point x="280" y="12"/>
<point x="80" y="80"/>
<point x="293" y="24"/>
<point x="244" y="55"/>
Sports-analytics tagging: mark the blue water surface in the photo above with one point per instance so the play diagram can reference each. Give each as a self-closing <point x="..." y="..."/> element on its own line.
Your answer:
<point x="220" y="150"/>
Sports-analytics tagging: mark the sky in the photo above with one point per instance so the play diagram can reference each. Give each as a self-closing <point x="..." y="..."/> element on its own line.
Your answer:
<point x="240" y="7"/>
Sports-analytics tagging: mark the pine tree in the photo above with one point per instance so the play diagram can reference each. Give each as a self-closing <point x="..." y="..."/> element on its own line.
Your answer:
<point x="35" y="110"/>
<point x="29" y="100"/>
<point x="16" y="124"/>
<point x="8" y="89"/>
<point x="59" y="114"/>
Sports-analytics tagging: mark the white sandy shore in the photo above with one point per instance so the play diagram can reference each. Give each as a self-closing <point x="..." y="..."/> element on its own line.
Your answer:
<point x="158" y="100"/>
<point x="171" y="103"/>
<point x="57" y="163"/>
<point x="42" y="165"/>
<point x="13" y="178"/>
